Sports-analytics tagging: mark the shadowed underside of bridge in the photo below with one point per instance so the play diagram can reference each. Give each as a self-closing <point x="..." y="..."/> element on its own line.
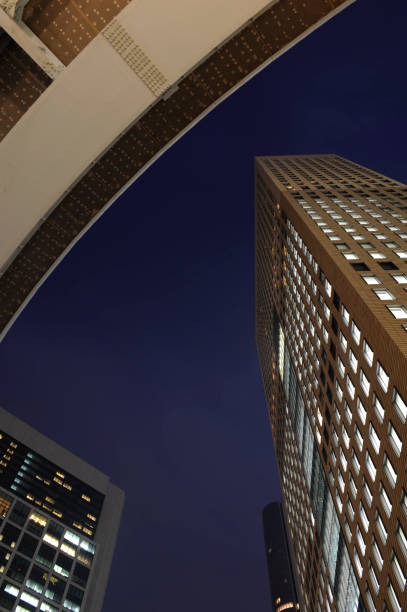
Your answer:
<point x="227" y="67"/>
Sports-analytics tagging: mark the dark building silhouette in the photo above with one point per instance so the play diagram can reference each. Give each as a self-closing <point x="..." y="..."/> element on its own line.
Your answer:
<point x="280" y="571"/>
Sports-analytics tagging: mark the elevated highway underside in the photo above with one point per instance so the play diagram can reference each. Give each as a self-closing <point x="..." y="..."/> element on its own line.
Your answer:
<point x="132" y="85"/>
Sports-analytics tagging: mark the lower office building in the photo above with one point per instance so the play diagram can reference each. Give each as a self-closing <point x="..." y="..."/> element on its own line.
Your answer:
<point x="331" y="332"/>
<point x="59" y="519"/>
<point x="281" y="576"/>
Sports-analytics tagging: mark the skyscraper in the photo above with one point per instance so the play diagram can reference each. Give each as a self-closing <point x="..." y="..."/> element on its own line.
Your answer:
<point x="331" y="330"/>
<point x="59" y="519"/>
<point x="280" y="571"/>
<point x="92" y="96"/>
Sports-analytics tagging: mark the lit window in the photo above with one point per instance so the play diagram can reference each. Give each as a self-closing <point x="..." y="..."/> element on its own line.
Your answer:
<point x="385" y="501"/>
<point x="377" y="255"/>
<point x="382" y="377"/>
<point x="395" y="604"/>
<point x="384" y="294"/>
<point x="364" y="382"/>
<point x="398" y="312"/>
<point x="350" y="387"/>
<point x="395" y="440"/>
<point x="345" y="315"/>
<point x="374" y="438"/>
<point x="350" y="509"/>
<point x="401" y="279"/>
<point x="390" y="471"/>
<point x="350" y="256"/>
<point x="341" y="367"/>
<point x="345" y="436"/>
<point x="343" y="342"/>
<point x="352" y="360"/>
<point x="363" y="517"/>
<point x="374" y="581"/>
<point x="356" y="465"/>
<point x="367" y="353"/>
<point x="355" y="332"/>
<point x="381" y="528"/>
<point x="367" y="492"/>
<point x="401" y="254"/>
<point x="358" y="438"/>
<point x="377" y="554"/>
<point x="348" y="412"/>
<point x="400" y="405"/>
<point x="398" y="572"/>
<point x="402" y="539"/>
<point x="371" y="468"/>
<point x="339" y="391"/>
<point x="370" y="279"/>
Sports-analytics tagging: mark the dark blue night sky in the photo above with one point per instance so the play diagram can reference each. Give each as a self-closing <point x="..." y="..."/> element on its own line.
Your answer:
<point x="138" y="353"/>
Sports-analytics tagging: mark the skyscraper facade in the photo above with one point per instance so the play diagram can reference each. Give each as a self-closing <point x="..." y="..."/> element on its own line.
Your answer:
<point x="280" y="571"/>
<point x="92" y="96"/>
<point x="331" y="331"/>
<point x="59" y="519"/>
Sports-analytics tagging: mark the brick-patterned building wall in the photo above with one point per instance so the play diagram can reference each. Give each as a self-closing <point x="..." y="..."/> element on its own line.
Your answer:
<point x="341" y="223"/>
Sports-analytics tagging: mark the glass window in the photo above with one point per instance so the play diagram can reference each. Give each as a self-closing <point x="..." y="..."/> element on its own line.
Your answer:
<point x="350" y="387"/>
<point x="28" y="545"/>
<point x="390" y="471"/>
<point x="367" y="492"/>
<point x="63" y="565"/>
<point x="370" y="466"/>
<point x="80" y="575"/>
<point x="18" y="568"/>
<point x="384" y="498"/>
<point x="364" y="382"/>
<point x="9" y="535"/>
<point x="384" y="294"/>
<point x="399" y="405"/>
<point x="55" y="589"/>
<point x="36" y="523"/>
<point x="45" y="555"/>
<point x="378" y="408"/>
<point x="73" y="599"/>
<point x="402" y="539"/>
<point x="398" y="572"/>
<point x="341" y="367"/>
<point x="345" y="315"/>
<point x="353" y="361"/>
<point x="367" y="353"/>
<point x="395" y="604"/>
<point x="377" y="554"/>
<point x="339" y="391"/>
<point x="398" y="312"/>
<point x="401" y="254"/>
<point x="382" y="377"/>
<point x="350" y="256"/>
<point x="400" y="278"/>
<point x="377" y="255"/>
<point x="363" y="517"/>
<point x="374" y="438"/>
<point x="19" y="514"/>
<point x="358" y="438"/>
<point x="355" y="332"/>
<point x="371" y="279"/>
<point x="343" y="342"/>
<point x="381" y="528"/>
<point x="395" y="440"/>
<point x="348" y="412"/>
<point x="37" y="579"/>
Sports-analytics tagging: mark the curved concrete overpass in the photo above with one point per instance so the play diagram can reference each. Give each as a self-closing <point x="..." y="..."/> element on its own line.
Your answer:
<point x="103" y="112"/>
